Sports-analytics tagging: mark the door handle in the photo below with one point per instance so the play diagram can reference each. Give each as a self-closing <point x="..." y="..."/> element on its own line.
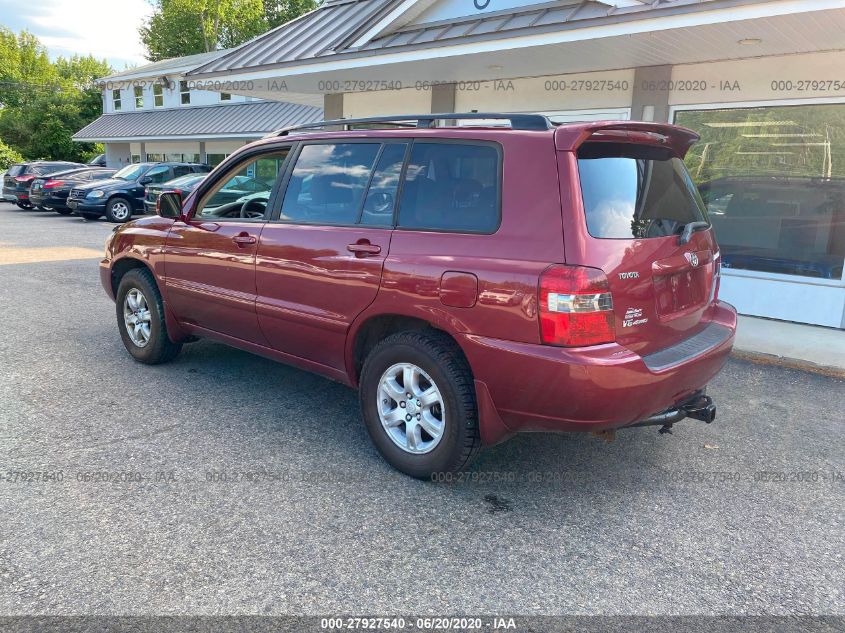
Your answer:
<point x="244" y="240"/>
<point x="362" y="248"/>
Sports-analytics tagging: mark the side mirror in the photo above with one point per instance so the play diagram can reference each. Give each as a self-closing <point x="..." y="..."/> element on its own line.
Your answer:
<point x="145" y="180"/>
<point x="169" y="204"/>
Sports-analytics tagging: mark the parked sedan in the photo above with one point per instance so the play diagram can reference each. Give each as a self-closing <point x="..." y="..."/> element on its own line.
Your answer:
<point x="51" y="192"/>
<point x="236" y="189"/>
<point x="123" y="195"/>
<point x="17" y="180"/>
<point x="182" y="185"/>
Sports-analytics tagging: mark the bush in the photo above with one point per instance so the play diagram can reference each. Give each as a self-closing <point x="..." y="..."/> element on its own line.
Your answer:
<point x="8" y="156"/>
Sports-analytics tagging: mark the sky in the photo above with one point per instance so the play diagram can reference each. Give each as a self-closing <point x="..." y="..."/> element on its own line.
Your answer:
<point x="105" y="28"/>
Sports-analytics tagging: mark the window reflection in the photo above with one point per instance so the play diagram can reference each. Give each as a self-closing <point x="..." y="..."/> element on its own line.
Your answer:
<point x="773" y="179"/>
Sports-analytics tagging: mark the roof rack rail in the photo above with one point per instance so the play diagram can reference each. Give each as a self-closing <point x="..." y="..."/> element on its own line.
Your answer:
<point x="517" y="121"/>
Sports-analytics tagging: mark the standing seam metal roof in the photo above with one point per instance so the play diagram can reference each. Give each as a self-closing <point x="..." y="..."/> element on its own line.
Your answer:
<point x="312" y="35"/>
<point x="228" y="119"/>
<point x="333" y="27"/>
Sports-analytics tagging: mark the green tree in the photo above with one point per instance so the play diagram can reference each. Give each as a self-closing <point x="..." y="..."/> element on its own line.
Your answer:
<point x="25" y="68"/>
<point x="187" y="27"/>
<point x="278" y="12"/>
<point x="45" y="103"/>
<point x="8" y="156"/>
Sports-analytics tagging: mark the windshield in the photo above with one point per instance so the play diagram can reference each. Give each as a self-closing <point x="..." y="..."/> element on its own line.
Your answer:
<point x="131" y="172"/>
<point x="636" y="191"/>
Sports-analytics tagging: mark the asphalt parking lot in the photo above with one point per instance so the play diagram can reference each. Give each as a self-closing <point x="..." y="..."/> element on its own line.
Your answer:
<point x="262" y="494"/>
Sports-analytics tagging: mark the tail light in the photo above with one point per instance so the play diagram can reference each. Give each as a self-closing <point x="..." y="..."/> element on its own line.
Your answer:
<point x="53" y="183"/>
<point x="576" y="307"/>
<point x="24" y="178"/>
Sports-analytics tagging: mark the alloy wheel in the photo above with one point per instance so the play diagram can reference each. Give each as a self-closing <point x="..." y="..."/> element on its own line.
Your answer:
<point x="411" y="408"/>
<point x="136" y="316"/>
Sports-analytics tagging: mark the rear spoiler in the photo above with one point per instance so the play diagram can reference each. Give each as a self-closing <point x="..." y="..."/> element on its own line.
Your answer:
<point x="568" y="138"/>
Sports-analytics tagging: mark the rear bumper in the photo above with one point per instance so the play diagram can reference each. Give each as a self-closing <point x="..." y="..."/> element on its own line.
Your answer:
<point x="49" y="200"/>
<point x="529" y="387"/>
<point x="14" y="195"/>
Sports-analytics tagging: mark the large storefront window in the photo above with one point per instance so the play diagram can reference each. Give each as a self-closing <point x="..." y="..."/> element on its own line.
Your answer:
<point x="773" y="179"/>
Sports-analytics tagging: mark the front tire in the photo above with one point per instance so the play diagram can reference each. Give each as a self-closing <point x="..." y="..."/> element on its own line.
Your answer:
<point x="63" y="211"/>
<point x="119" y="210"/>
<point x="140" y="319"/>
<point x="418" y="402"/>
<point x="42" y="207"/>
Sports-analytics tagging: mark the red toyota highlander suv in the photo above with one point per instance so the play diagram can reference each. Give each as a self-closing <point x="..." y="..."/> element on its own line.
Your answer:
<point x="471" y="282"/>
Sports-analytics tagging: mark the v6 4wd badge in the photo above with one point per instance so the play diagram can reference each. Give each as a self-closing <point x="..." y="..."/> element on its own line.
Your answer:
<point x="632" y="317"/>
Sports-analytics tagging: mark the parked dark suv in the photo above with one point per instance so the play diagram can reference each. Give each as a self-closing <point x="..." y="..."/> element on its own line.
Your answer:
<point x="471" y="282"/>
<point x="51" y="192"/>
<point x="19" y="177"/>
<point x="123" y="195"/>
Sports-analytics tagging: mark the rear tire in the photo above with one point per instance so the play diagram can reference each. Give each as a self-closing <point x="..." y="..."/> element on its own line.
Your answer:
<point x="119" y="210"/>
<point x="140" y="319"/>
<point x="441" y="411"/>
<point x="26" y="206"/>
<point x="41" y="207"/>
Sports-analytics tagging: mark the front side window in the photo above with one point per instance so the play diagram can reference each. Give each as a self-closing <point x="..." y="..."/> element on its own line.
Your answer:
<point x="328" y="183"/>
<point x="636" y="191"/>
<point x="115" y="99"/>
<point x="158" y="174"/>
<point x="773" y="179"/>
<point x="227" y="199"/>
<point x="184" y="93"/>
<point x="139" y="97"/>
<point x="451" y="187"/>
<point x="158" y="95"/>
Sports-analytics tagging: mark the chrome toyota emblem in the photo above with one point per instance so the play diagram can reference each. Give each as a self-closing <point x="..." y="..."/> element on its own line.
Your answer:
<point x="693" y="259"/>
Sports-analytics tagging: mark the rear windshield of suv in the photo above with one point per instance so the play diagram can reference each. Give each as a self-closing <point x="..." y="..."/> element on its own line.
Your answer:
<point x="636" y="191"/>
<point x="16" y="170"/>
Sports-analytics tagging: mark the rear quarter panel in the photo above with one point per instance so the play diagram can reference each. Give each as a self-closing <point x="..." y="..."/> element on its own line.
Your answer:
<point x="507" y="263"/>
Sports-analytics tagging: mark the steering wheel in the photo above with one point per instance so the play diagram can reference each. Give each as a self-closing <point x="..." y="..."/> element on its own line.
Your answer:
<point x="248" y="213"/>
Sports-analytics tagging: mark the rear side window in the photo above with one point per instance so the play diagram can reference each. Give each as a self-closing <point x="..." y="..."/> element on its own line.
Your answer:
<point x="328" y="183"/>
<point x="451" y="187"/>
<point x="632" y="191"/>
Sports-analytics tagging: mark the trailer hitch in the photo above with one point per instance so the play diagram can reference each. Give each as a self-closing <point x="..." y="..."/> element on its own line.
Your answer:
<point x="699" y="407"/>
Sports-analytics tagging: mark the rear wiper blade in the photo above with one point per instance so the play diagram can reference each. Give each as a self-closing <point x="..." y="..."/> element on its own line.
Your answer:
<point x="689" y="229"/>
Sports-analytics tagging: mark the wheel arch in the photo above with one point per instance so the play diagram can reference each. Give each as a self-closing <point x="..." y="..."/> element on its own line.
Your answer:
<point x="123" y="266"/>
<point x="124" y="196"/>
<point x="371" y="329"/>
<point x="128" y="263"/>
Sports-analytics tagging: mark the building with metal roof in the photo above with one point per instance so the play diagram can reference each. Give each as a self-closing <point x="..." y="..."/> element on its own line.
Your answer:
<point x="155" y="112"/>
<point x="759" y="80"/>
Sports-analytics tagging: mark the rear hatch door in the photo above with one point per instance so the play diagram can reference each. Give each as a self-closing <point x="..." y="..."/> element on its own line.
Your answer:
<point x="637" y="201"/>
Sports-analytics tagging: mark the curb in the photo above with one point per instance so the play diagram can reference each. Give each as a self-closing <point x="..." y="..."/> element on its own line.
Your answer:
<point x="761" y="358"/>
